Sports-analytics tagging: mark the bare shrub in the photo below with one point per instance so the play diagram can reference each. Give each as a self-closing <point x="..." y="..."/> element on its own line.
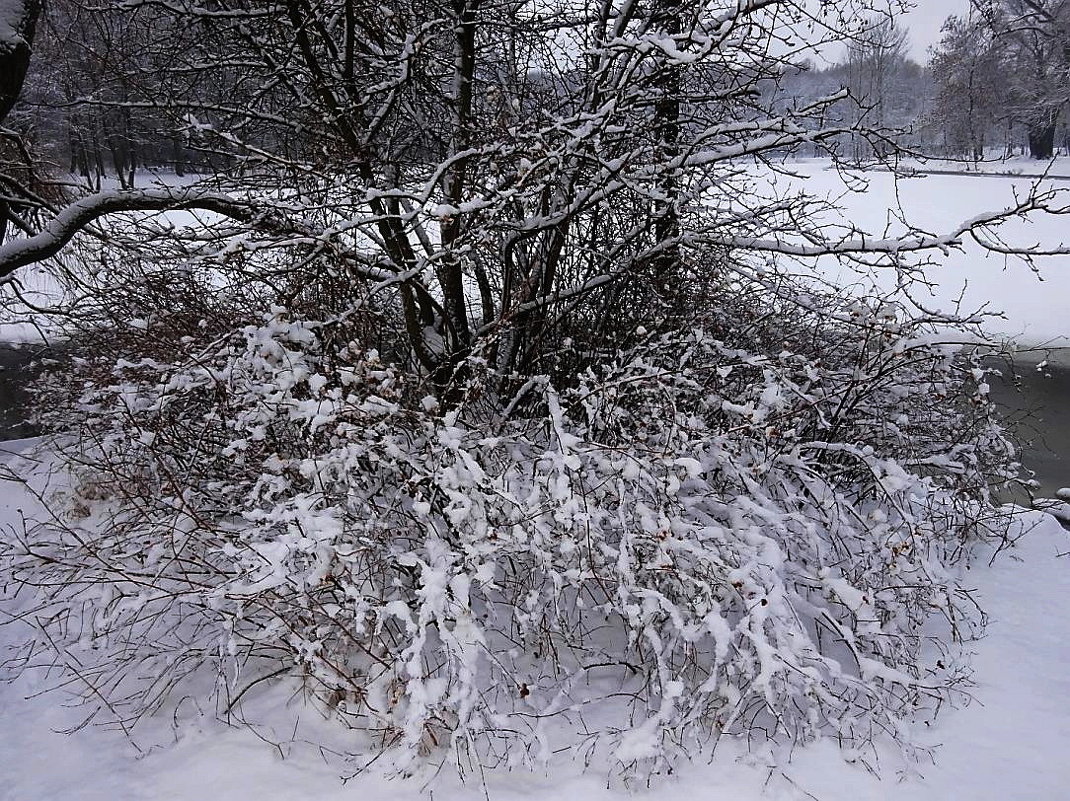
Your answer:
<point x="702" y="534"/>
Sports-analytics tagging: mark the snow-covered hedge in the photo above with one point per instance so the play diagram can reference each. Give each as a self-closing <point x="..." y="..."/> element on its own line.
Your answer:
<point x="682" y="541"/>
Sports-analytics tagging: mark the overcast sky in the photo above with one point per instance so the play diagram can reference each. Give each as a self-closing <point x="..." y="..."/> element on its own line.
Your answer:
<point x="924" y="23"/>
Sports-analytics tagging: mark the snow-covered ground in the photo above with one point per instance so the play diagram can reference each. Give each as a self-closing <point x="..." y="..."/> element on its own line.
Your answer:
<point x="1033" y="303"/>
<point x="1008" y="744"/>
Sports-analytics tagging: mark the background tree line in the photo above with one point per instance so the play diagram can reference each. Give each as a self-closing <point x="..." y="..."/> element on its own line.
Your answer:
<point x="1001" y="76"/>
<point x="107" y="95"/>
<point x="995" y="83"/>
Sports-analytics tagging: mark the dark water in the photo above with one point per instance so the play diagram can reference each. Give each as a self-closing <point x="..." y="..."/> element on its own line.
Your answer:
<point x="1036" y="402"/>
<point x="15" y="372"/>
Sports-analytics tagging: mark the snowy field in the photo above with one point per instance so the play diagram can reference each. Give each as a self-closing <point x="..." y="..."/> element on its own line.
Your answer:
<point x="1032" y="304"/>
<point x="1008" y="743"/>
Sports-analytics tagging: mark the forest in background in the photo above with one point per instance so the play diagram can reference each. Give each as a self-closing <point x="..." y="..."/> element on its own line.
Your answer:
<point x="104" y="97"/>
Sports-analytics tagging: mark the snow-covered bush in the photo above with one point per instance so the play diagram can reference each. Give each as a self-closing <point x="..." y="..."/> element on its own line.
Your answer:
<point x="738" y="526"/>
<point x="475" y="389"/>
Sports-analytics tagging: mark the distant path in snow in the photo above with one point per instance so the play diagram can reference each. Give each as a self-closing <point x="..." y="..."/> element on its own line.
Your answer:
<point x="911" y="172"/>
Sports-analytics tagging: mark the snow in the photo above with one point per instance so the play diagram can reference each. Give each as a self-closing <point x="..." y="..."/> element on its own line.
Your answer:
<point x="1009" y="742"/>
<point x="40" y="287"/>
<point x="1058" y="509"/>
<point x="1033" y="304"/>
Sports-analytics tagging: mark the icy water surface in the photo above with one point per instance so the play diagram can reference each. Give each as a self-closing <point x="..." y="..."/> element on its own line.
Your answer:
<point x="1036" y="399"/>
<point x="14" y="373"/>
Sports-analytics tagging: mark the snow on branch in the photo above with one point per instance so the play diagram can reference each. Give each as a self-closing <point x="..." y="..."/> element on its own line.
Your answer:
<point x="72" y="220"/>
<point x="979" y="228"/>
<point x="75" y="218"/>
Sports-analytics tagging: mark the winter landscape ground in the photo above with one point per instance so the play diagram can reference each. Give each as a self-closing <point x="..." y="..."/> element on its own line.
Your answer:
<point x="1007" y="738"/>
<point x="1006" y="742"/>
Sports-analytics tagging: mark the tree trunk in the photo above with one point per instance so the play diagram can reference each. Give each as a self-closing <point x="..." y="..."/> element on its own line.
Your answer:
<point x="1042" y="135"/>
<point x="667" y="132"/>
<point x="1042" y="142"/>
<point x="178" y="155"/>
<point x="15" y="53"/>
<point x="21" y="17"/>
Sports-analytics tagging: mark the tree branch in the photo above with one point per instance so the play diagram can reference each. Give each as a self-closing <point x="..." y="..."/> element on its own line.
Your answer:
<point x="62" y="228"/>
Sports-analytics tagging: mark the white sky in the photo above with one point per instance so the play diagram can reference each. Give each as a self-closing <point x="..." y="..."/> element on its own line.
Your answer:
<point x="924" y="23"/>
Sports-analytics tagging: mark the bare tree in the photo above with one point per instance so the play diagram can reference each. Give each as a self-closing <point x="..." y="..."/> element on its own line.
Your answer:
<point x="490" y="167"/>
<point x="875" y="57"/>
<point x="611" y="124"/>
<point x="972" y="87"/>
<point x="1034" y="36"/>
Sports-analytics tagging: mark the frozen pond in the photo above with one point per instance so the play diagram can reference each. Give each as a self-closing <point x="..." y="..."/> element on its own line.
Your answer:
<point x="1032" y="302"/>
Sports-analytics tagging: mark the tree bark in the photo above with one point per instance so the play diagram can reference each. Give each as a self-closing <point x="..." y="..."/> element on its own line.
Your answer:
<point x="16" y="43"/>
<point x="1042" y="138"/>
<point x="667" y="132"/>
<point x="15" y="50"/>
